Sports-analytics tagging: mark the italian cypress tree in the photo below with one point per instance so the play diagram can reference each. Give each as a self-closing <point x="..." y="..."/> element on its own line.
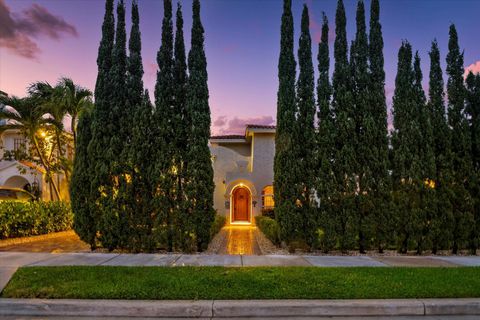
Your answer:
<point x="406" y="165"/>
<point x="427" y="161"/>
<point x="380" y="180"/>
<point x="164" y="171"/>
<point x="142" y="155"/>
<point x="135" y="66"/>
<point x="461" y="144"/>
<point x="114" y="221"/>
<point x="343" y="109"/>
<point x="364" y="129"/>
<point x="101" y="127"/>
<point x="441" y="231"/>
<point x="304" y="135"/>
<point x="473" y="111"/>
<point x="84" y="222"/>
<point x="199" y="172"/>
<point x="181" y="125"/>
<point x="325" y="144"/>
<point x="135" y="189"/>
<point x="284" y="189"/>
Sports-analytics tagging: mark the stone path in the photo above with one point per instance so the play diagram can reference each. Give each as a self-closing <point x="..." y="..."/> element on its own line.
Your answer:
<point x="67" y="241"/>
<point x="238" y="240"/>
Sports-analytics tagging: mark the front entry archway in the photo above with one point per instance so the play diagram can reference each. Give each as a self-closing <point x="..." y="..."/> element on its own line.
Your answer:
<point x="241" y="199"/>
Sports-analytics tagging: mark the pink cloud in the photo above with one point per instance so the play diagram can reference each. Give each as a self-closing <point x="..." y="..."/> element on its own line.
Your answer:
<point x="18" y="29"/>
<point x="474" y="68"/>
<point x="236" y="125"/>
<point x="316" y="27"/>
<point x="220" y="121"/>
<point x="151" y="68"/>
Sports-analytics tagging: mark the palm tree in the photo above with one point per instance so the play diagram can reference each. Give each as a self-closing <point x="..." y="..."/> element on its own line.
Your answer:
<point x="75" y="99"/>
<point x="50" y="99"/>
<point x="28" y="115"/>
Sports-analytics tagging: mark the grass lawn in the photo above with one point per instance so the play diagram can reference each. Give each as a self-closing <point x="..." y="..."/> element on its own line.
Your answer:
<point x="100" y="282"/>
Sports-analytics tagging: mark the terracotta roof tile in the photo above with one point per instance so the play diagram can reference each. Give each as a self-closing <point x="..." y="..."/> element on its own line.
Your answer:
<point x="229" y="136"/>
<point x="259" y="126"/>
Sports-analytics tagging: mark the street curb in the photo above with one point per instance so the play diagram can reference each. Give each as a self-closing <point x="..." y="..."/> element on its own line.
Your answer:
<point x="238" y="308"/>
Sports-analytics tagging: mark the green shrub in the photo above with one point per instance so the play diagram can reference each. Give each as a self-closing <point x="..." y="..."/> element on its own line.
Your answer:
<point x="21" y="219"/>
<point x="269" y="227"/>
<point x="268" y="212"/>
<point x="217" y="225"/>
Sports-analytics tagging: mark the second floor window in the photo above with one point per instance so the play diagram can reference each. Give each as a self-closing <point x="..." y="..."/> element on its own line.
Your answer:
<point x="18" y="144"/>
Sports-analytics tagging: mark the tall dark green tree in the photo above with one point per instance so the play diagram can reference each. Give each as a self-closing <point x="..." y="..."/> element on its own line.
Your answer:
<point x="181" y="126"/>
<point x="380" y="180"/>
<point x="426" y="210"/>
<point x="101" y="130"/>
<point x="84" y="222"/>
<point x="164" y="170"/>
<point x="284" y="188"/>
<point x="135" y="66"/>
<point x="136" y="190"/>
<point x="461" y="144"/>
<point x="406" y="166"/>
<point x="473" y="111"/>
<point x="441" y="231"/>
<point x="144" y="235"/>
<point x="113" y="225"/>
<point x="304" y="136"/>
<point x="345" y="138"/>
<point x="364" y="133"/>
<point x="325" y="144"/>
<point x="199" y="172"/>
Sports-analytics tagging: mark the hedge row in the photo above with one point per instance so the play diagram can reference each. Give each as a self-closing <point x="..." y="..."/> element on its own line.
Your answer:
<point x="217" y="225"/>
<point x="21" y="219"/>
<point x="269" y="227"/>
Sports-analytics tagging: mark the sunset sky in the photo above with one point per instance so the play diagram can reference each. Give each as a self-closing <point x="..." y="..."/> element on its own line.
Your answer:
<point x="47" y="39"/>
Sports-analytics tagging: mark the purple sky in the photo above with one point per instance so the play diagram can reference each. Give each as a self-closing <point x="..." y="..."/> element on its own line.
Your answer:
<point x="47" y="39"/>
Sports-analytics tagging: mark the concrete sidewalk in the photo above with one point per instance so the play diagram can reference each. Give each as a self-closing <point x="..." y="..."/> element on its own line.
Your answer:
<point x="226" y="309"/>
<point x="20" y="259"/>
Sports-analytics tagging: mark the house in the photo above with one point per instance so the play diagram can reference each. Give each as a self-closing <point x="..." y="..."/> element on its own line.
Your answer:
<point x="243" y="173"/>
<point x="25" y="174"/>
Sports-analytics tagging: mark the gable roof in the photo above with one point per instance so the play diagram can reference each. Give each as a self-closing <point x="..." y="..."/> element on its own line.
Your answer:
<point x="260" y="126"/>
<point x="242" y="136"/>
<point x="228" y="137"/>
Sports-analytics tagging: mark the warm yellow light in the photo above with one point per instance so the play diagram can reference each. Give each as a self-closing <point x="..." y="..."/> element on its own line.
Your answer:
<point x="430" y="183"/>
<point x="42" y="133"/>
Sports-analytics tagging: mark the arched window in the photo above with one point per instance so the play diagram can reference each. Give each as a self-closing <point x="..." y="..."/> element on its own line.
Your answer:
<point x="267" y="198"/>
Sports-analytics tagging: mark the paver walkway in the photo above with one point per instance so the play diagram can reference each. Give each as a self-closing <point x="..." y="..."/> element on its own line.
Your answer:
<point x="238" y="240"/>
<point x="67" y="241"/>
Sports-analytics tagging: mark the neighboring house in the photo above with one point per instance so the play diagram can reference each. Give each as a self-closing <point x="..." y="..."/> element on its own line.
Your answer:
<point x="24" y="174"/>
<point x="243" y="173"/>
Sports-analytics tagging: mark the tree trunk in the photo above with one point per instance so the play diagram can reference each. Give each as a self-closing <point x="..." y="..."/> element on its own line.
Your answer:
<point x="61" y="155"/>
<point x="47" y="168"/>
<point x="74" y="130"/>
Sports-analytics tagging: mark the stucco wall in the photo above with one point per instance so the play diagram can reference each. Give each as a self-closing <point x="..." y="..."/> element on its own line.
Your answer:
<point x="249" y="164"/>
<point x="15" y="174"/>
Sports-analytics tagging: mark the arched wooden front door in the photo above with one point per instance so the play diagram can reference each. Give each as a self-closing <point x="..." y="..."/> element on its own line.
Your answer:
<point x="241" y="205"/>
